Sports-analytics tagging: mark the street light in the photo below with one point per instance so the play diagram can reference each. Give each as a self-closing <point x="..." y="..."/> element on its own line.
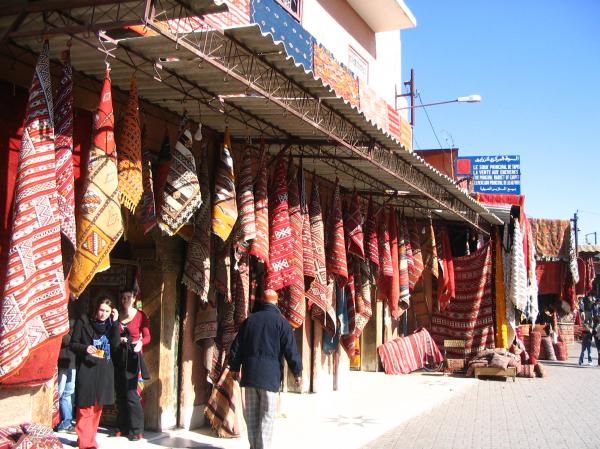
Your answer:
<point x="468" y="99"/>
<point x="412" y="94"/>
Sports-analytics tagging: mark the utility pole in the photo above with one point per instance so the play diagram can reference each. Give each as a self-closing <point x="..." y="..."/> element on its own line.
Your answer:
<point x="411" y="93"/>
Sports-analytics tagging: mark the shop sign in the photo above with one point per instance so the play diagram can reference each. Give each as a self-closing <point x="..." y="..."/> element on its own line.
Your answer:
<point x="492" y="174"/>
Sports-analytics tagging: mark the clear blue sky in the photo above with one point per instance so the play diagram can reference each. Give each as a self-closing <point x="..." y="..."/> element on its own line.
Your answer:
<point x="536" y="64"/>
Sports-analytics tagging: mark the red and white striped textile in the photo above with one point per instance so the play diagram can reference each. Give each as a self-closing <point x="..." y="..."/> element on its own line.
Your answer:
<point x="33" y="311"/>
<point x="407" y="354"/>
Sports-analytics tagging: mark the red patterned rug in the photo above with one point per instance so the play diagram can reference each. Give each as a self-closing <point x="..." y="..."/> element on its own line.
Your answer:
<point x="469" y="316"/>
<point x="407" y="354"/>
<point x="33" y="312"/>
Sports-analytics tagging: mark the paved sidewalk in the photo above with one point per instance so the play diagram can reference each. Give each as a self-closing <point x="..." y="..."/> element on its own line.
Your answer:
<point x="373" y="404"/>
<point x="559" y="411"/>
<point x="425" y="410"/>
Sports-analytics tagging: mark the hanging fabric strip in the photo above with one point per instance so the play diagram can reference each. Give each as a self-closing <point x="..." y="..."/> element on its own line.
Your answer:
<point x="517" y="286"/>
<point x="415" y="244"/>
<point x="295" y="307"/>
<point x="146" y="212"/>
<point x="335" y="247"/>
<point x="33" y="310"/>
<point x="501" y="326"/>
<point x="162" y="169"/>
<point x="446" y="286"/>
<point x="353" y="224"/>
<point x="308" y="257"/>
<point x="196" y="270"/>
<point x="242" y="290"/>
<point x="371" y="237"/>
<point x="319" y="292"/>
<point x="429" y="247"/>
<point x="245" y="201"/>
<point x="225" y="210"/>
<point x="181" y="194"/>
<point x="260" y="245"/>
<point x="99" y="222"/>
<point x="532" y="309"/>
<point x="281" y="272"/>
<point x="394" y="289"/>
<point x="130" y="153"/>
<point x="403" y="270"/>
<point x="63" y="142"/>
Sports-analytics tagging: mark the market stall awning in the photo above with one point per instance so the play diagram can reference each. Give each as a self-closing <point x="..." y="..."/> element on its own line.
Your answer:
<point x="244" y="80"/>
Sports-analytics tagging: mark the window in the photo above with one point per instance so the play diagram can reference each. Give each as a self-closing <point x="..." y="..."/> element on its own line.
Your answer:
<point x="292" y="6"/>
<point x="358" y="65"/>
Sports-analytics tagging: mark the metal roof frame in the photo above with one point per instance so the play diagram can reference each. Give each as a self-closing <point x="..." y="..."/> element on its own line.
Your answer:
<point x="244" y="76"/>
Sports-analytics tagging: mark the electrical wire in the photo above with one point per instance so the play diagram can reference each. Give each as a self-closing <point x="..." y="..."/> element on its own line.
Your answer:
<point x="429" y="120"/>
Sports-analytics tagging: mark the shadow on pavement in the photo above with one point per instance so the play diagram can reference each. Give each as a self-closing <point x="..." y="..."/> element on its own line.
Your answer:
<point x="177" y="442"/>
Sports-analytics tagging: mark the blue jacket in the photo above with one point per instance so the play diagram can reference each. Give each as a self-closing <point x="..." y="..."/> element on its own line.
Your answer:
<point x="260" y="346"/>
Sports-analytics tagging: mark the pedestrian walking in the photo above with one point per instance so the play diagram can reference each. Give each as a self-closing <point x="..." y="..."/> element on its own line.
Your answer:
<point x="586" y="344"/>
<point x="265" y="338"/>
<point x="596" y="335"/>
<point x="130" y="367"/>
<point x="66" y="381"/>
<point x="94" y="340"/>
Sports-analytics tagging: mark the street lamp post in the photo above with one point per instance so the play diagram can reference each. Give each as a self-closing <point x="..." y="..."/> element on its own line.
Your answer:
<point x="412" y="93"/>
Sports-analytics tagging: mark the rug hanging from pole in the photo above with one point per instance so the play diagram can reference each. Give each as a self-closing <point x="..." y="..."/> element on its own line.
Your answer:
<point x="63" y="142"/>
<point x="99" y="222"/>
<point x="33" y="313"/>
<point x="131" y="186"/>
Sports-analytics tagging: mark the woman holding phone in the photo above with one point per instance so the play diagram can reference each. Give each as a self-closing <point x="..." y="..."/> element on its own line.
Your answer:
<point x="94" y="339"/>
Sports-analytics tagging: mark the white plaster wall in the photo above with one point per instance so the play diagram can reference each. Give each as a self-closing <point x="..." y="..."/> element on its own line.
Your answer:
<point x="331" y="34"/>
<point x="384" y="72"/>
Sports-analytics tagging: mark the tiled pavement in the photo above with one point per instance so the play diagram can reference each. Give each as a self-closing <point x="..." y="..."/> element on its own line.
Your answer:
<point x="558" y="411"/>
<point x="424" y="410"/>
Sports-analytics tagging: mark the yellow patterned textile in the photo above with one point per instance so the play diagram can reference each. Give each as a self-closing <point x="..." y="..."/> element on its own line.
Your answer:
<point x="130" y="154"/>
<point x="501" y="326"/>
<point x="99" y="222"/>
<point x="225" y="210"/>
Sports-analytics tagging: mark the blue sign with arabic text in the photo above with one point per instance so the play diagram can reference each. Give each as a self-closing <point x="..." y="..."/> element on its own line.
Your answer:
<point x="492" y="174"/>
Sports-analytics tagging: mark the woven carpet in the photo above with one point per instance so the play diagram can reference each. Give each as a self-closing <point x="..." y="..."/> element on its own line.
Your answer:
<point x="294" y="304"/>
<point x="281" y="272"/>
<point x="99" y="222"/>
<point x="225" y="210"/>
<point x="371" y="238"/>
<point x="353" y="225"/>
<point x="196" y="269"/>
<point x="407" y="354"/>
<point x="335" y="246"/>
<point x="393" y="295"/>
<point x="245" y="201"/>
<point x="63" y="142"/>
<point x="260" y="244"/>
<point x="469" y="316"/>
<point x="447" y="286"/>
<point x="181" y="195"/>
<point x="319" y="293"/>
<point x="130" y="153"/>
<point x="33" y="312"/>
<point x="551" y="237"/>
<point x="146" y="210"/>
<point x="308" y="256"/>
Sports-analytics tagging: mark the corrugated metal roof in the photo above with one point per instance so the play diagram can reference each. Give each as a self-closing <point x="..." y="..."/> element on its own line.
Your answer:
<point x="173" y="77"/>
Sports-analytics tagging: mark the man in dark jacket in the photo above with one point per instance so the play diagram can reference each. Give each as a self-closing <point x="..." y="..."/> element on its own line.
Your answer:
<point x="264" y="340"/>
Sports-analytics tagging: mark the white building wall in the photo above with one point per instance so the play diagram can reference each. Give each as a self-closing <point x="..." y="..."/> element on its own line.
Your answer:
<point x="384" y="72"/>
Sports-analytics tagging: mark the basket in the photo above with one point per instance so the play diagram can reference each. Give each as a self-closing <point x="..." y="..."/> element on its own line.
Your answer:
<point x="454" y="365"/>
<point x="566" y="331"/>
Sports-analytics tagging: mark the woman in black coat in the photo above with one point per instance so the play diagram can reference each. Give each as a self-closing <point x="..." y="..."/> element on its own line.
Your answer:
<point x="94" y="340"/>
